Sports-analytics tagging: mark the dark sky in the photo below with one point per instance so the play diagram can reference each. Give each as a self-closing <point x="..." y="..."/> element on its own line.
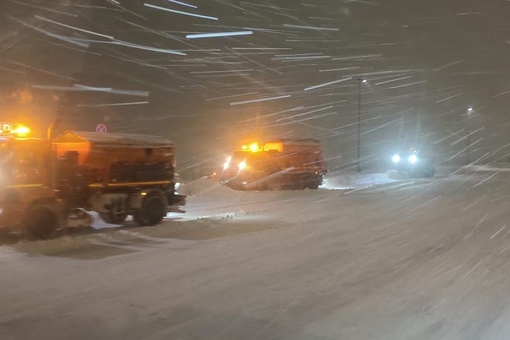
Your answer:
<point x="132" y="66"/>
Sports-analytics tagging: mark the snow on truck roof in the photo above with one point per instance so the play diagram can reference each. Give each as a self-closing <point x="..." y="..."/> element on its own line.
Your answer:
<point x="111" y="139"/>
<point x="297" y="141"/>
<point x="292" y="144"/>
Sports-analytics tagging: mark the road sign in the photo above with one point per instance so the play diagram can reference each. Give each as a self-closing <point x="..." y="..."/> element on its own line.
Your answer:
<point x="6" y="129"/>
<point x="101" y="128"/>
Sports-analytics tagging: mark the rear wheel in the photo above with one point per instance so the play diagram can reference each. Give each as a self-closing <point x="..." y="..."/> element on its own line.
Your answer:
<point x="151" y="212"/>
<point x="42" y="222"/>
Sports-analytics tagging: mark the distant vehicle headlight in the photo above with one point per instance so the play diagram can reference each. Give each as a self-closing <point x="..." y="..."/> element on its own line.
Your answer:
<point x="242" y="165"/>
<point x="413" y="159"/>
<point x="395" y="159"/>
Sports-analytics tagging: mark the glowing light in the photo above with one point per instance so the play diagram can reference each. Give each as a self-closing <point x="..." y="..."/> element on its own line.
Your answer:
<point x="22" y="130"/>
<point x="242" y="165"/>
<point x="253" y="147"/>
<point x="413" y="159"/>
<point x="227" y="163"/>
<point x="395" y="158"/>
<point x="8" y="129"/>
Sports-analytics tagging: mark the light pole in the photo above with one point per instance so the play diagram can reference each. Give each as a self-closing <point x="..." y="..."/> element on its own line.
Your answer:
<point x="360" y="81"/>
<point x="469" y="111"/>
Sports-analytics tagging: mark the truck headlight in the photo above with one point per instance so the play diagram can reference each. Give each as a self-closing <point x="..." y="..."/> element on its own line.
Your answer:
<point x="395" y="159"/>
<point x="413" y="159"/>
<point x="242" y="165"/>
<point x="227" y="163"/>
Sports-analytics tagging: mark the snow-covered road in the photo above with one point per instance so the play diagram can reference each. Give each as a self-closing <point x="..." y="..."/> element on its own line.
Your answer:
<point x="365" y="257"/>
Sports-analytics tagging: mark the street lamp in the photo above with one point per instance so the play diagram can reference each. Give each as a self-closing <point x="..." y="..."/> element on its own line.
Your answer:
<point x="360" y="81"/>
<point x="469" y="112"/>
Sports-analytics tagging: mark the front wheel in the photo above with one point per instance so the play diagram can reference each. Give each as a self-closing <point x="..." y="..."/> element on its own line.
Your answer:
<point x="151" y="212"/>
<point x="313" y="184"/>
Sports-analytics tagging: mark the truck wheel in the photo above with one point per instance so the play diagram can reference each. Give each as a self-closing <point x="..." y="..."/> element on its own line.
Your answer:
<point x="113" y="218"/>
<point x="151" y="212"/>
<point x="42" y="222"/>
<point x="313" y="184"/>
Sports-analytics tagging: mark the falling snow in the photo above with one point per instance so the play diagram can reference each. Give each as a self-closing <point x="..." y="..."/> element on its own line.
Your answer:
<point x="370" y="255"/>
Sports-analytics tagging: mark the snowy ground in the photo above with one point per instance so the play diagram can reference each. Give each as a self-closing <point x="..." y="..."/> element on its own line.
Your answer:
<point x="368" y="256"/>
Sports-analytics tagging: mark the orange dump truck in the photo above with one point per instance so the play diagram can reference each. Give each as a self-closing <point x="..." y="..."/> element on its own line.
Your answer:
<point x="46" y="187"/>
<point x="278" y="164"/>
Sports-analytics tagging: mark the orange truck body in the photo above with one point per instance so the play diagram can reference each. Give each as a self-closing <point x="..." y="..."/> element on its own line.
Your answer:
<point x="117" y="160"/>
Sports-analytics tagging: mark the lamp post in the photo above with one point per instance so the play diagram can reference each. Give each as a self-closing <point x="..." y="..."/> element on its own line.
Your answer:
<point x="360" y="81"/>
<point x="468" y="142"/>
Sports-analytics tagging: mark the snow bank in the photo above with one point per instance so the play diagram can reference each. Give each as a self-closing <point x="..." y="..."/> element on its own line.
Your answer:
<point x="349" y="181"/>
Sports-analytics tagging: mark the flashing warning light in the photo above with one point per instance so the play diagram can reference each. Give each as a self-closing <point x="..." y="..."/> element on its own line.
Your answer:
<point x="253" y="147"/>
<point x="268" y="146"/>
<point x="8" y="129"/>
<point x="21" y="131"/>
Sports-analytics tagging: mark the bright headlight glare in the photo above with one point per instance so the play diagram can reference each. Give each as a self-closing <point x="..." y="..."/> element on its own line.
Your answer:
<point x="227" y="163"/>
<point x="395" y="158"/>
<point x="413" y="159"/>
<point x="242" y="165"/>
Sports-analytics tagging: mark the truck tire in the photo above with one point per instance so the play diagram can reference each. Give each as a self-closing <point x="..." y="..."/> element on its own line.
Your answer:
<point x="42" y="222"/>
<point x="151" y="212"/>
<point x="313" y="183"/>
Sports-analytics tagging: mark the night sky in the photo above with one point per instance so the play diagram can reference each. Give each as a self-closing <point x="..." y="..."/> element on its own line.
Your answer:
<point x="291" y="69"/>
